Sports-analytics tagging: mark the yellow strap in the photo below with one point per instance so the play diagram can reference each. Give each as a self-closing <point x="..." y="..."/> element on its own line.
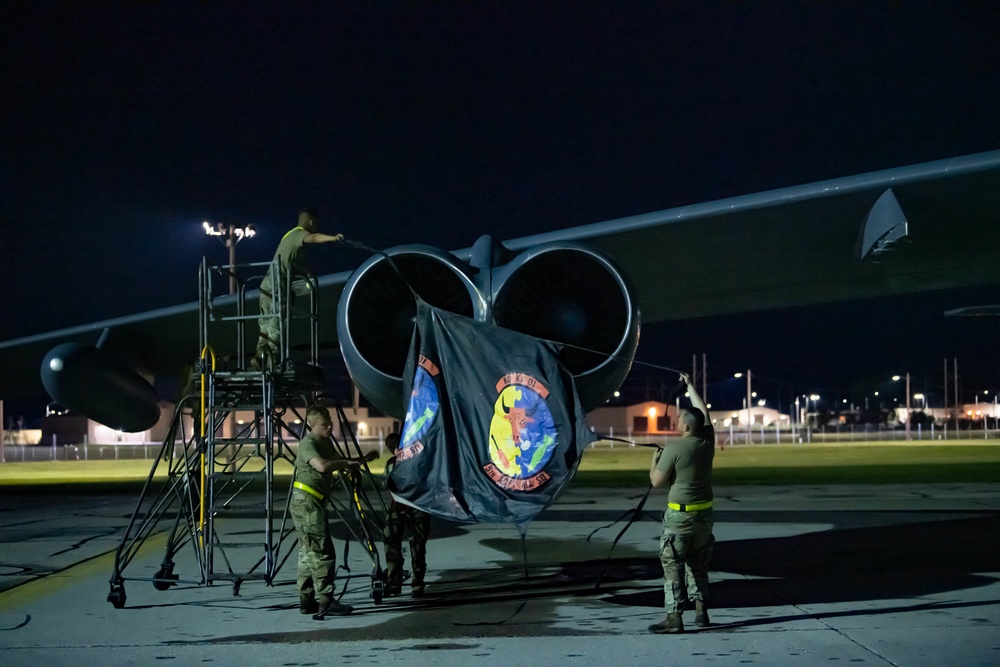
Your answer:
<point x="292" y="230"/>
<point x="694" y="507"/>
<point x="308" y="489"/>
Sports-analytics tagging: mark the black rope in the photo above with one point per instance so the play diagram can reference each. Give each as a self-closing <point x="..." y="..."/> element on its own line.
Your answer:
<point x="636" y="512"/>
<point x="524" y="549"/>
<point x="358" y="245"/>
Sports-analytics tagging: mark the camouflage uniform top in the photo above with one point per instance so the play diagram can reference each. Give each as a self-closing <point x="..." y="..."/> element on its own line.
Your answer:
<point x="687" y="462"/>
<point x="311" y="447"/>
<point x="287" y="254"/>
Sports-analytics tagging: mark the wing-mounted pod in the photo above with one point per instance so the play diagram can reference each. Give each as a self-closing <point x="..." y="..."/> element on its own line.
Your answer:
<point x="376" y="311"/>
<point x="91" y="382"/>
<point x="564" y="292"/>
<point x="576" y="295"/>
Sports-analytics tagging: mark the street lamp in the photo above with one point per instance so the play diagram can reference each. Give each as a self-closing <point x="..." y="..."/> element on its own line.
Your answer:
<point x="895" y="378"/>
<point x="749" y="399"/>
<point x="230" y="235"/>
<point x="811" y="398"/>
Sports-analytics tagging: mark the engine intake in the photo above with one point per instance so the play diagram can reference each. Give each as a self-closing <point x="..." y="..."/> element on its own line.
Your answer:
<point x="562" y="292"/>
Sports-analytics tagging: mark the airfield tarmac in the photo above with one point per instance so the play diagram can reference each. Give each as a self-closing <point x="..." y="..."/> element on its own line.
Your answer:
<point x="866" y="574"/>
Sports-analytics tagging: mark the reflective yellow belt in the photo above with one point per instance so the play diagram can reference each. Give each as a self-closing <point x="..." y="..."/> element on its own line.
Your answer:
<point x="311" y="491"/>
<point x="694" y="507"/>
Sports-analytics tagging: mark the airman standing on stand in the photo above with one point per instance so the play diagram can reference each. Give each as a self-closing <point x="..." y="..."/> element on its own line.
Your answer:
<point x="289" y="254"/>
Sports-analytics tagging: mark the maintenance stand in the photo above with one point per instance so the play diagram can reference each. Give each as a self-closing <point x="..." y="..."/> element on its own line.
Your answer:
<point x="219" y="490"/>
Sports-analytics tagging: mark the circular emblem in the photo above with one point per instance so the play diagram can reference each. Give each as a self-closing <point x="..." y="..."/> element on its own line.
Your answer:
<point x="522" y="432"/>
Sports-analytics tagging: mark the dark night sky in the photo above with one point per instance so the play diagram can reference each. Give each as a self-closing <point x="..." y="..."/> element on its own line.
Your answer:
<point x="123" y="126"/>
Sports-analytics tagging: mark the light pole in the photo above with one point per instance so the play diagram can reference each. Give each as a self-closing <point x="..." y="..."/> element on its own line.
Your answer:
<point x="811" y="398"/>
<point x="230" y="235"/>
<point x="748" y="402"/>
<point x="896" y="378"/>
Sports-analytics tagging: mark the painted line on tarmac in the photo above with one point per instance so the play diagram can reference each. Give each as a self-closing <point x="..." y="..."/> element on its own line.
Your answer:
<point x="56" y="581"/>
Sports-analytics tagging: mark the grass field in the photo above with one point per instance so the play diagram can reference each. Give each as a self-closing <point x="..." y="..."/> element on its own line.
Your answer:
<point x="855" y="463"/>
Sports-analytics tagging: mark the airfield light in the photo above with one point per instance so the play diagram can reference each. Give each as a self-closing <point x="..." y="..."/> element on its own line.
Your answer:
<point x="230" y="235"/>
<point x="896" y="378"/>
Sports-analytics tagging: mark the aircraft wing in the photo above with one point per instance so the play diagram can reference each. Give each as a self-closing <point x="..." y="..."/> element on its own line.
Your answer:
<point x="799" y="245"/>
<point x="919" y="228"/>
<point x="160" y="343"/>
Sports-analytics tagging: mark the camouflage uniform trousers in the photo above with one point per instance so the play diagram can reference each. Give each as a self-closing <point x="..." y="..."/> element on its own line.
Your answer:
<point x="398" y="519"/>
<point x="317" y="558"/>
<point x="685" y="553"/>
<point x="270" y="327"/>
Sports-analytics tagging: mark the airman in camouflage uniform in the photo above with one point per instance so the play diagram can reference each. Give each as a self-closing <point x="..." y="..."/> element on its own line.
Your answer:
<point x="685" y="467"/>
<point x="398" y="520"/>
<point x="288" y="254"/>
<point x="314" y="465"/>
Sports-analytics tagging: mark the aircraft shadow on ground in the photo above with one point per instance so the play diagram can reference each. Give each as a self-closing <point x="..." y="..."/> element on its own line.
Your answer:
<point x="876" y="562"/>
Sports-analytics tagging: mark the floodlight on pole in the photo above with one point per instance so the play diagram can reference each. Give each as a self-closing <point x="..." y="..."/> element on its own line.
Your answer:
<point x="229" y="235"/>
<point x="896" y="378"/>
<point x="749" y="398"/>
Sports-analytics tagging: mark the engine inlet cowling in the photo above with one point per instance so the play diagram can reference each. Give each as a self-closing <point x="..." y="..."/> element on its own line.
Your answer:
<point x="376" y="311"/>
<point x="573" y="295"/>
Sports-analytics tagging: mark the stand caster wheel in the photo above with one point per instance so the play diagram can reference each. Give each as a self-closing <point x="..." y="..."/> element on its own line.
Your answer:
<point x="117" y="596"/>
<point x="165" y="578"/>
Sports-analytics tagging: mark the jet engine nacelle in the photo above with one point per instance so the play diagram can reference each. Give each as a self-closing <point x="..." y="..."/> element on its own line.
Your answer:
<point x="91" y="382"/>
<point x="563" y="292"/>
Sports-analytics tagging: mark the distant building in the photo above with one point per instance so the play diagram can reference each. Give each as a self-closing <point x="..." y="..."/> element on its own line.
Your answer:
<point x="759" y="416"/>
<point x="65" y="428"/>
<point x="649" y="418"/>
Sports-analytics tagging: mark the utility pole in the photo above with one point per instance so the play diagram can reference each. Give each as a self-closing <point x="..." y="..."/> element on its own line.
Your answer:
<point x="749" y="404"/>
<point x="946" y="393"/>
<point x="908" y="406"/>
<point x="954" y="377"/>
<point x="704" y="376"/>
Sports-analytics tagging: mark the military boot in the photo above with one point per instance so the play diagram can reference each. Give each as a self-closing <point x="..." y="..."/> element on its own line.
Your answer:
<point x="672" y="624"/>
<point x="417" y="584"/>
<point x="330" y="607"/>
<point x="308" y="604"/>
<point x="701" y="613"/>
